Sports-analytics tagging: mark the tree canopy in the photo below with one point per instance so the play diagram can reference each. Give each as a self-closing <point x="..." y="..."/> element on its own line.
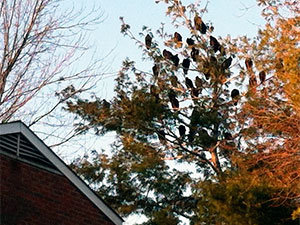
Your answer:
<point x="209" y="131"/>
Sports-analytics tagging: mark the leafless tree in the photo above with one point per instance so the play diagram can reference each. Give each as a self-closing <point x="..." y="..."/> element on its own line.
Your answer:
<point x="41" y="45"/>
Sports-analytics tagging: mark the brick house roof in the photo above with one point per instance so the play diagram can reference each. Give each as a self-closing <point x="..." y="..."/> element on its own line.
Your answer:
<point x="18" y="142"/>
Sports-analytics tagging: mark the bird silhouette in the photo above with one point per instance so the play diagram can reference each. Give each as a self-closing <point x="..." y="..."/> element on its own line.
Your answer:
<point x="190" y="41"/>
<point x="182" y="130"/>
<point x="248" y="63"/>
<point x="155" y="70"/>
<point x="194" y="54"/>
<point x="186" y="65"/>
<point x="235" y="93"/>
<point x="148" y="41"/>
<point x="177" y="37"/>
<point x="175" y="60"/>
<point x="189" y="83"/>
<point x="173" y="100"/>
<point x="198" y="82"/>
<point x="167" y="54"/>
<point x="214" y="43"/>
<point x="262" y="76"/>
<point x="195" y="92"/>
<point x="199" y="25"/>
<point x="226" y="64"/>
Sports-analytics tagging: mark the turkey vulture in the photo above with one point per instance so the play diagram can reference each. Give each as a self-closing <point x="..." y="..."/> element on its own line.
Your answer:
<point x="175" y="60"/>
<point x="186" y="64"/>
<point x="248" y="63"/>
<point x="161" y="135"/>
<point x="198" y="82"/>
<point x="199" y="25"/>
<point x="226" y="64"/>
<point x="173" y="100"/>
<point x="155" y="70"/>
<point x="214" y="43"/>
<point x="148" y="40"/>
<point x="195" y="92"/>
<point x="235" y="93"/>
<point x="177" y="37"/>
<point x="182" y="130"/>
<point x="174" y="103"/>
<point x="189" y="83"/>
<point x="194" y="54"/>
<point x="227" y="136"/>
<point x="190" y="41"/>
<point x="262" y="76"/>
<point x="167" y="54"/>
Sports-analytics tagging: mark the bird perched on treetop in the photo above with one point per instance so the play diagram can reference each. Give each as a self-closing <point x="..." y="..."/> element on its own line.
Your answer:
<point x="214" y="43"/>
<point x="248" y="63"/>
<point x="186" y="65"/>
<point x="155" y="70"/>
<point x="226" y="64"/>
<point x="235" y="93"/>
<point x="194" y="54"/>
<point x="199" y="25"/>
<point x="198" y="82"/>
<point x="190" y="41"/>
<point x="148" y="41"/>
<point x="175" y="60"/>
<point x="182" y="130"/>
<point x="189" y="83"/>
<point x="262" y="76"/>
<point x="167" y="54"/>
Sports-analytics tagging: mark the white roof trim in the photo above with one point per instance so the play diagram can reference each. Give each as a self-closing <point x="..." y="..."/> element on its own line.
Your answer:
<point x="19" y="127"/>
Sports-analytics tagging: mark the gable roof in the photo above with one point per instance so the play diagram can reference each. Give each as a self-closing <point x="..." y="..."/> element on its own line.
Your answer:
<point x="17" y="140"/>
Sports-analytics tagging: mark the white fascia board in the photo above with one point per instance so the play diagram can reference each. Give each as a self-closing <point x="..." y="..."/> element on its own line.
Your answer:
<point x="16" y="127"/>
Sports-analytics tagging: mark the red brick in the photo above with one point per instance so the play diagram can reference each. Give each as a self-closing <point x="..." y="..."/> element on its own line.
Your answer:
<point x="30" y="195"/>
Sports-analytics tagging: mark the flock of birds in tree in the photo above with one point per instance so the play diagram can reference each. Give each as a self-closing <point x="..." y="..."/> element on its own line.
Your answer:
<point x="196" y="89"/>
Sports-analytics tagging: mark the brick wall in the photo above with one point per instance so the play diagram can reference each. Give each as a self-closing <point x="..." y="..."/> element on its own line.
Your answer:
<point x="33" y="196"/>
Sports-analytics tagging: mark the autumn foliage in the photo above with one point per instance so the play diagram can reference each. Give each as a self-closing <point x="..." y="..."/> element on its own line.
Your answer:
<point x="210" y="131"/>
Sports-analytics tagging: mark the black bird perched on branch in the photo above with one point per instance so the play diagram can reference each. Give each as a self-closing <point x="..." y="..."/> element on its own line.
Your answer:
<point x="190" y="41"/>
<point x="173" y="100"/>
<point x="175" y="60"/>
<point x="235" y="93"/>
<point x="248" y="63"/>
<point x="214" y="43"/>
<point x="194" y="54"/>
<point x="199" y="25"/>
<point x="262" y="76"/>
<point x="195" y="92"/>
<point x="226" y="64"/>
<point x="161" y="135"/>
<point x="182" y="130"/>
<point x="155" y="70"/>
<point x="186" y="65"/>
<point x="167" y="54"/>
<point x="198" y="82"/>
<point x="177" y="37"/>
<point x="189" y="83"/>
<point x="148" y="41"/>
